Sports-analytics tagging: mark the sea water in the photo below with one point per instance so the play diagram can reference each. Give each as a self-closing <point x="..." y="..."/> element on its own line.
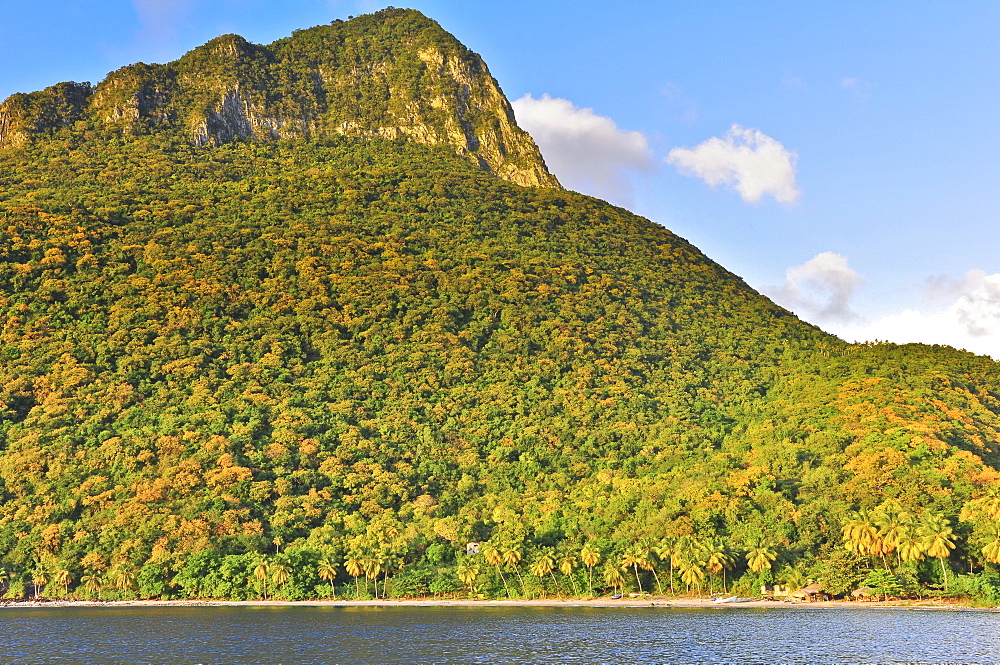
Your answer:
<point x="496" y="635"/>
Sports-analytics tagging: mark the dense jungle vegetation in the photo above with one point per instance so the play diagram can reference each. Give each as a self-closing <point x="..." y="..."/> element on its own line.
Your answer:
<point x="298" y="368"/>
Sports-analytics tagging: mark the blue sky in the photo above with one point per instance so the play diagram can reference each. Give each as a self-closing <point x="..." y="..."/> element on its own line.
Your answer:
<point x="842" y="157"/>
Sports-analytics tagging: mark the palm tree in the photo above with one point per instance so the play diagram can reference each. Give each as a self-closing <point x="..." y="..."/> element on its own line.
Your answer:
<point x="937" y="538"/>
<point x="692" y="572"/>
<point x="872" y="534"/>
<point x="893" y="526"/>
<point x="124" y="579"/>
<point x="261" y="572"/>
<point x="646" y="556"/>
<point x="613" y="578"/>
<point x="493" y="557"/>
<point x="354" y="568"/>
<point x="373" y="567"/>
<point x="908" y="544"/>
<point x="64" y="577"/>
<point x="468" y="572"/>
<point x="566" y="566"/>
<point x="543" y="565"/>
<point x="390" y="562"/>
<point x="512" y="556"/>
<point x="590" y="556"/>
<point x="667" y="550"/>
<point x="634" y="558"/>
<point x="761" y="557"/>
<point x="718" y="559"/>
<point x="986" y="506"/>
<point x="327" y="571"/>
<point x="795" y="578"/>
<point x="40" y="577"/>
<point x="92" y="584"/>
<point x="861" y="533"/>
<point x="991" y="550"/>
<point x="280" y="574"/>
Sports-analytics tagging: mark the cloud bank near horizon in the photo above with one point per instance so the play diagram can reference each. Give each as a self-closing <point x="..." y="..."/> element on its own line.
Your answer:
<point x="588" y="152"/>
<point x="960" y="312"/>
<point x="746" y="160"/>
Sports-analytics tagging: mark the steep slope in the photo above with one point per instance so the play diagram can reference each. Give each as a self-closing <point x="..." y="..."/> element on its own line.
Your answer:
<point x="393" y="74"/>
<point x="357" y="348"/>
<point x="205" y="351"/>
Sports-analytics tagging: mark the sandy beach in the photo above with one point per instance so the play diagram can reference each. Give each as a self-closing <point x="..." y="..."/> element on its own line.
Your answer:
<point x="644" y="601"/>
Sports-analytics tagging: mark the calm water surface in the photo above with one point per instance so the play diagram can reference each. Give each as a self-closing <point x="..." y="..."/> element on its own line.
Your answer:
<point x="495" y="635"/>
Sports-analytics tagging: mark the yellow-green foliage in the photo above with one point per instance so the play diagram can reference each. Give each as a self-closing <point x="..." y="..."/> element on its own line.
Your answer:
<point x="372" y="349"/>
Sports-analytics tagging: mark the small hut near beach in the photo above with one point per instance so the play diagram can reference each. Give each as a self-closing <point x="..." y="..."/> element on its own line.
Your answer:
<point x="811" y="593"/>
<point x="864" y="593"/>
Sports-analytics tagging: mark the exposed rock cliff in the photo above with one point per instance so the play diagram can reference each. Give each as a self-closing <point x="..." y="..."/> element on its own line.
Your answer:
<point x="392" y="74"/>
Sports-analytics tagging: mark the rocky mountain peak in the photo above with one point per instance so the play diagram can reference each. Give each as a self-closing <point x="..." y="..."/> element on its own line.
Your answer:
<point x="393" y="74"/>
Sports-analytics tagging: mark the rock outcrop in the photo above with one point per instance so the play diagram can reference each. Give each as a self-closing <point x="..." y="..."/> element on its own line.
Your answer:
<point x="393" y="74"/>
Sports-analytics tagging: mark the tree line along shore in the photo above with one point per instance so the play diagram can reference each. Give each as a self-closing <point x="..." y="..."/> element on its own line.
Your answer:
<point x="886" y="553"/>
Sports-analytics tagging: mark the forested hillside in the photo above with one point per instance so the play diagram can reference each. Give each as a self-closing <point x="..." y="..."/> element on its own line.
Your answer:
<point x="273" y="367"/>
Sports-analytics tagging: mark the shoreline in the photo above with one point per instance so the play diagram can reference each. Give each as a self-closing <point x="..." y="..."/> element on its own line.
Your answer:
<point x="649" y="601"/>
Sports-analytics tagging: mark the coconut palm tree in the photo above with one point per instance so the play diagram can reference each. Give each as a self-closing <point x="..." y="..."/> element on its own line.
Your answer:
<point x="40" y="577"/>
<point x="872" y="533"/>
<point x="647" y="561"/>
<point x="567" y="564"/>
<point x="124" y="579"/>
<point x="987" y="506"/>
<point x="938" y="540"/>
<point x="494" y="557"/>
<point x="991" y="550"/>
<point x="390" y="563"/>
<point x="692" y="572"/>
<point x="613" y="578"/>
<point x="92" y="584"/>
<point x="908" y="544"/>
<point x="512" y="556"/>
<point x="761" y="557"/>
<point x="667" y="550"/>
<point x="634" y="558"/>
<point x="262" y="571"/>
<point x="718" y="559"/>
<point x="373" y="566"/>
<point x="327" y="571"/>
<point x="861" y="533"/>
<point x="63" y="577"/>
<point x="894" y="524"/>
<point x="543" y="565"/>
<point x="280" y="574"/>
<point x="354" y="568"/>
<point x="468" y="573"/>
<point x="590" y="556"/>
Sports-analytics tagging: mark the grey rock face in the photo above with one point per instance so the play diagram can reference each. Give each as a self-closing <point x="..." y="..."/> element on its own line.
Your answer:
<point x="394" y="74"/>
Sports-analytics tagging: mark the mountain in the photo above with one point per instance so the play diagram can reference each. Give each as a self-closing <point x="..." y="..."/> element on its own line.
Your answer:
<point x="325" y="342"/>
<point x="394" y="75"/>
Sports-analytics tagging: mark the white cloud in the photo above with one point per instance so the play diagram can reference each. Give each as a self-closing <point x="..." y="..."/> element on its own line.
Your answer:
<point x="586" y="151"/>
<point x="857" y="87"/>
<point x="819" y="290"/>
<point x="971" y="322"/>
<point x="748" y="160"/>
<point x="963" y="313"/>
